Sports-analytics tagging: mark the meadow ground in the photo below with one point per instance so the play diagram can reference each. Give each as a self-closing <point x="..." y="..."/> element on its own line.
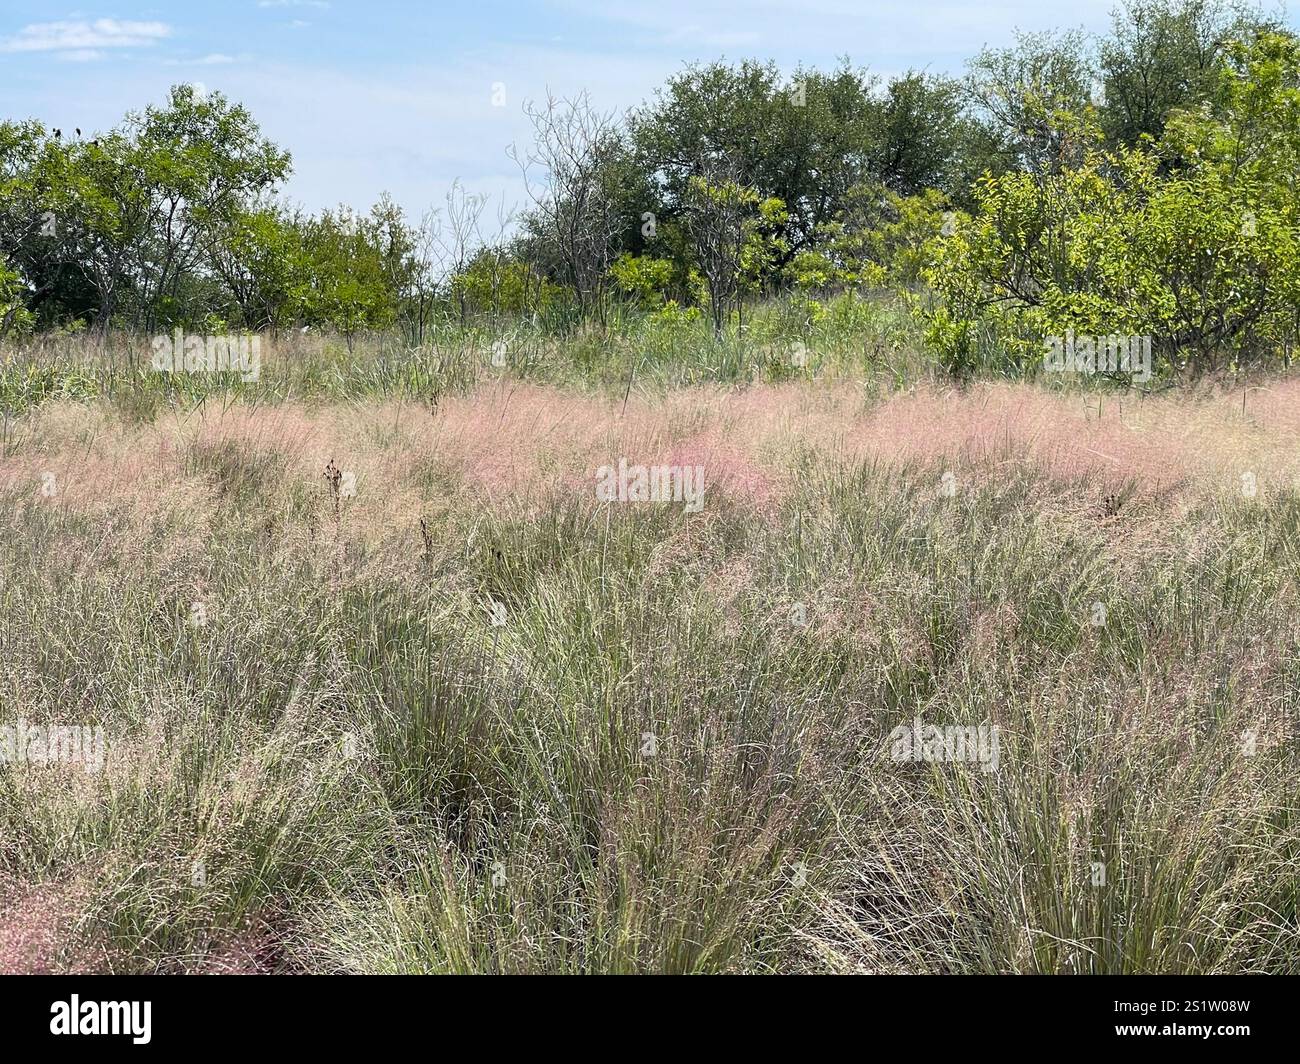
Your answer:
<point x="452" y="712"/>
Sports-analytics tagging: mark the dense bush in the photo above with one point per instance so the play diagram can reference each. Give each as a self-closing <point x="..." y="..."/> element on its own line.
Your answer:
<point x="1191" y="240"/>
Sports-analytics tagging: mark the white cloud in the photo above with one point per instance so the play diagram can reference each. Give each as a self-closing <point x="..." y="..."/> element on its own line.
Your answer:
<point x="82" y="55"/>
<point x="935" y="33"/>
<point x="216" y="59"/>
<point x="84" y="36"/>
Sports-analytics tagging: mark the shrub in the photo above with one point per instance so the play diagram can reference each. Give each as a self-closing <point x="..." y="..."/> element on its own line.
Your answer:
<point x="1190" y="241"/>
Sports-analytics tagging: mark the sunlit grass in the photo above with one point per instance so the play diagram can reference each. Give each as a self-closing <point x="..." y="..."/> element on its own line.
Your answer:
<point x="673" y="754"/>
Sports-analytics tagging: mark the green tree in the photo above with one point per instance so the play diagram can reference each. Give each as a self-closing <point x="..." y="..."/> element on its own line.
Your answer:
<point x="40" y="189"/>
<point x="14" y="315"/>
<point x="343" y="284"/>
<point x="804" y="142"/>
<point x="1164" y="55"/>
<point x="194" y="164"/>
<point x="915" y="139"/>
<point x="1014" y="96"/>
<point x="259" y="256"/>
<point x="735" y="235"/>
<point x="1203" y="257"/>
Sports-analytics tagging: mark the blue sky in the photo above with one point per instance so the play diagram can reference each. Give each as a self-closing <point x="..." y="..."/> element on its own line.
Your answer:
<point x="374" y="95"/>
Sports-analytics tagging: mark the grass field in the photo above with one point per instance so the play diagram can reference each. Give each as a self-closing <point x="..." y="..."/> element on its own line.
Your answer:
<point x="448" y="711"/>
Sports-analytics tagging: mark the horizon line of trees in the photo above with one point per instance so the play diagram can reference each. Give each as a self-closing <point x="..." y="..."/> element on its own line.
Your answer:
<point x="731" y="182"/>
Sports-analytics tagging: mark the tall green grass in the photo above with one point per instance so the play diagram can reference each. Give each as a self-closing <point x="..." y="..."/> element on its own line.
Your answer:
<point x="647" y="768"/>
<point x="850" y="337"/>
